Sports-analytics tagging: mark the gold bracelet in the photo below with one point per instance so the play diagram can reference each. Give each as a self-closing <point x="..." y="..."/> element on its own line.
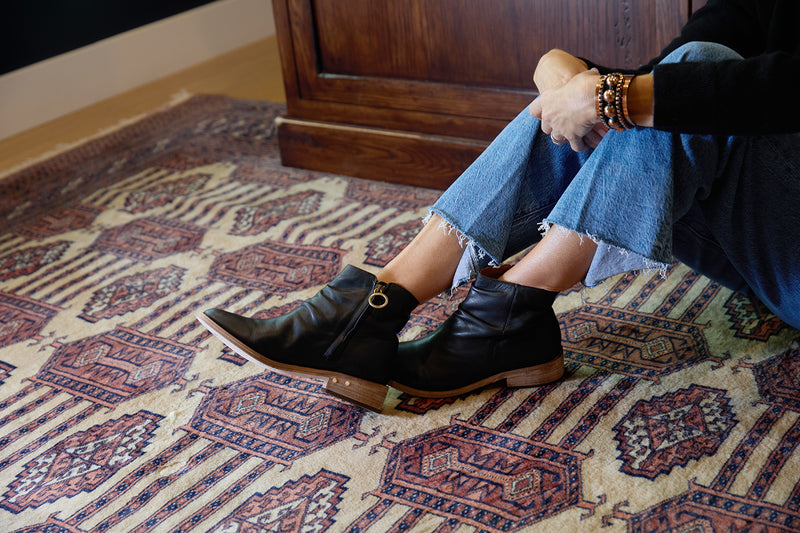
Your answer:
<point x="626" y="117"/>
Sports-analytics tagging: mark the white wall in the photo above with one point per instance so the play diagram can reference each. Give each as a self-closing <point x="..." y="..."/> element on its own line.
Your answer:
<point x="41" y="92"/>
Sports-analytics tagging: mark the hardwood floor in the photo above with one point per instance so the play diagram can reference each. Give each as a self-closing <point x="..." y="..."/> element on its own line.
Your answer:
<point x="252" y="71"/>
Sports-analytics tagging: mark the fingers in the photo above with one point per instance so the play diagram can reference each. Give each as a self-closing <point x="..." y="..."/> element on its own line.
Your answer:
<point x="595" y="135"/>
<point x="562" y="127"/>
<point x="592" y="139"/>
<point x="535" y="109"/>
<point x="578" y="144"/>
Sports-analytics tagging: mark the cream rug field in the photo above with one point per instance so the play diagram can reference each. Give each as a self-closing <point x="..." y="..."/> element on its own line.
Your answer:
<point x="680" y="410"/>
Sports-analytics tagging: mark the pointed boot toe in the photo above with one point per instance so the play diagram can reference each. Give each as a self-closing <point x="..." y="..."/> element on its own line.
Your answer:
<point x="232" y="324"/>
<point x="345" y="335"/>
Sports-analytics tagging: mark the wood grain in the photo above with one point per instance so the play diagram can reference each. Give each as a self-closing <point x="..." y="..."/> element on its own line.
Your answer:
<point x="378" y="154"/>
<point x="441" y="68"/>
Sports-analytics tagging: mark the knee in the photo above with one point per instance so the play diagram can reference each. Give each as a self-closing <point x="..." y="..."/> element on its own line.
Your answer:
<point x="700" y="51"/>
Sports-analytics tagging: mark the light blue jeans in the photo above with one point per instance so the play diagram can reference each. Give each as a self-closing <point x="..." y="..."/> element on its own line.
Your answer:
<point x="729" y="207"/>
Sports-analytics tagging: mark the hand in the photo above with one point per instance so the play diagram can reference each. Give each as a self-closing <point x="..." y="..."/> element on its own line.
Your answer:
<point x="555" y="69"/>
<point x="568" y="112"/>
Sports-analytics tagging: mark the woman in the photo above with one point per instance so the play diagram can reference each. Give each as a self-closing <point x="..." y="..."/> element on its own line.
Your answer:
<point x="694" y="156"/>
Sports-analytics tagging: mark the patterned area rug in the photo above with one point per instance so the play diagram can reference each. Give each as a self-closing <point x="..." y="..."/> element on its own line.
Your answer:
<point x="680" y="410"/>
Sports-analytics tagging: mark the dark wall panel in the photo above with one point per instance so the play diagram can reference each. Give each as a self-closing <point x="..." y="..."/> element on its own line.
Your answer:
<point x="33" y="30"/>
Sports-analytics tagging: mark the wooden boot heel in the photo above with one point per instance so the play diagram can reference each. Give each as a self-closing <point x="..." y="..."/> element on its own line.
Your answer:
<point x="534" y="376"/>
<point x="361" y="392"/>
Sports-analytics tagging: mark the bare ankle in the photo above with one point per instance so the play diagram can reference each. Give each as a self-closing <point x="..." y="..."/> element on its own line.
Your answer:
<point x="536" y="284"/>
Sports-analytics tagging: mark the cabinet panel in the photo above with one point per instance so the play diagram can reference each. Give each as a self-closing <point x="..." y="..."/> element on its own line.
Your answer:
<point x="446" y="56"/>
<point x="493" y="43"/>
<point x="450" y="71"/>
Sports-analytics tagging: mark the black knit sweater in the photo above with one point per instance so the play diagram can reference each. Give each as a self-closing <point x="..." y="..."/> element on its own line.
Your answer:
<point x="760" y="94"/>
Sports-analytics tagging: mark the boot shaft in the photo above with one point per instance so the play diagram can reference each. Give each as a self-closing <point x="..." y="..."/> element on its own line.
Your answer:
<point x="500" y="331"/>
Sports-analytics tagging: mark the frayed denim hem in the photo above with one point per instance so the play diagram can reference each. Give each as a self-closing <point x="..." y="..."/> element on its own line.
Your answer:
<point x="610" y="259"/>
<point x="474" y="258"/>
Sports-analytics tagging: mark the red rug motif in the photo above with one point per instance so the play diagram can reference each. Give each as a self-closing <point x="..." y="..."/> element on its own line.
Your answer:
<point x="679" y="411"/>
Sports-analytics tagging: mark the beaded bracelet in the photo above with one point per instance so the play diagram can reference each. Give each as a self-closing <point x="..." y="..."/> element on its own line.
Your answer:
<point x="612" y="101"/>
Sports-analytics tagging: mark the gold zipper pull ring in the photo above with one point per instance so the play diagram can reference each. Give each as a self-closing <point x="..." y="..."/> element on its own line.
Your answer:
<point x="378" y="300"/>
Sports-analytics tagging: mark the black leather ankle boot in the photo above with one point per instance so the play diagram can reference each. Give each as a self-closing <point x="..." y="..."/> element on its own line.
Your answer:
<point x="346" y="334"/>
<point x="501" y="331"/>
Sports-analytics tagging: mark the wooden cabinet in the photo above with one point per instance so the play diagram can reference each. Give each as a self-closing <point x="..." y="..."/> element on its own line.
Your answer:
<point x="412" y="91"/>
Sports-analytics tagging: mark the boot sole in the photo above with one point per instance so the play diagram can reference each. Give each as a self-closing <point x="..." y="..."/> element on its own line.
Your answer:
<point x="531" y="376"/>
<point x="359" y="391"/>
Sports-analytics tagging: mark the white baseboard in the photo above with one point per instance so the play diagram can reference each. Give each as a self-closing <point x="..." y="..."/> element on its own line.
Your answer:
<point x="47" y="90"/>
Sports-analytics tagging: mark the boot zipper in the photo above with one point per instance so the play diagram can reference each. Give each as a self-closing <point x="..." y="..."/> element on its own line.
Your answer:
<point x="376" y="300"/>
